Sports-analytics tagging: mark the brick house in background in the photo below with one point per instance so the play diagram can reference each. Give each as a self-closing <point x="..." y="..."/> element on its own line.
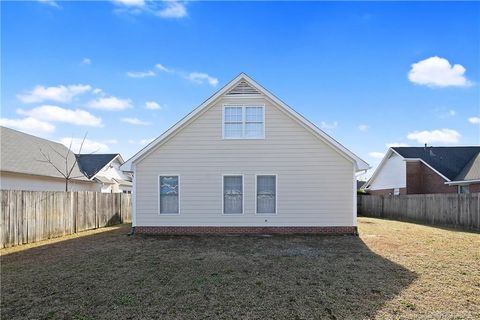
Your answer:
<point x="421" y="170"/>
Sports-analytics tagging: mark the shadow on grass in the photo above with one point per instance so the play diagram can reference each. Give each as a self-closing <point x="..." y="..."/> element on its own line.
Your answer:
<point x="446" y="227"/>
<point x="112" y="276"/>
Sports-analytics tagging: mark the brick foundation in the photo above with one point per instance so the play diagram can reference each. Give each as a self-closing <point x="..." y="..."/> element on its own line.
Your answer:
<point x="244" y="230"/>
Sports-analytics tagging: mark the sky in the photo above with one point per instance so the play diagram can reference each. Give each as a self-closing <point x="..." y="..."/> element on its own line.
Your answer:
<point x="370" y="74"/>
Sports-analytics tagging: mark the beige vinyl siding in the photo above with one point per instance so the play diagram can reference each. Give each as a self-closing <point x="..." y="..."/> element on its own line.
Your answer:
<point x="315" y="182"/>
<point x="20" y="181"/>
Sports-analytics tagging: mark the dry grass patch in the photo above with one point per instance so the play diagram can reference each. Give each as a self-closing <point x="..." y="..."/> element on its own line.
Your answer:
<point x="446" y="262"/>
<point x="393" y="270"/>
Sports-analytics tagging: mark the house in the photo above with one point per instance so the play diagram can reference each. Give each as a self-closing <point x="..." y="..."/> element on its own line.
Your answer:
<point x="360" y="184"/>
<point x="420" y="170"/>
<point x="244" y="162"/>
<point x="105" y="170"/>
<point x="30" y="163"/>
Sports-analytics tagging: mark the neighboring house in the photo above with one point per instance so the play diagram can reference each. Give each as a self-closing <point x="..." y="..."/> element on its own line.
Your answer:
<point x="23" y="165"/>
<point x="105" y="170"/>
<point x="421" y="170"/>
<point x="244" y="162"/>
<point x="360" y="185"/>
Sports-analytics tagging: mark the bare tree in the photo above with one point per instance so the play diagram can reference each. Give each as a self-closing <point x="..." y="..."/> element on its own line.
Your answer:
<point x="63" y="167"/>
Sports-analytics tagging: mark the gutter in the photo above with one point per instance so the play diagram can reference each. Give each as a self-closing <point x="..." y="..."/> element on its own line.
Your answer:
<point x="462" y="182"/>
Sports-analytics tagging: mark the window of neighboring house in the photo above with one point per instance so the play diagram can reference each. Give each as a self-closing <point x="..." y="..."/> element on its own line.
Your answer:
<point x="232" y="194"/>
<point x="244" y="122"/>
<point x="169" y="203"/>
<point x="396" y="191"/>
<point x="464" y="189"/>
<point x="266" y="194"/>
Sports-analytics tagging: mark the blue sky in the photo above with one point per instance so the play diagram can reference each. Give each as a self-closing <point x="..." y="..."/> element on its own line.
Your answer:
<point x="370" y="74"/>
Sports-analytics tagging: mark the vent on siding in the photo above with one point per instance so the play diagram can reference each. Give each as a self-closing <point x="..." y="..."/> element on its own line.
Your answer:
<point x="243" y="88"/>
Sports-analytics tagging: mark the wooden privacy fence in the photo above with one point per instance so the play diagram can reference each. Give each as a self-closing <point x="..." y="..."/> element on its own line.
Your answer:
<point x="457" y="210"/>
<point x="31" y="216"/>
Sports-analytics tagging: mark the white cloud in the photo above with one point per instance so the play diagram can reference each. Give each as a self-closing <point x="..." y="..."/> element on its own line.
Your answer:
<point x="200" y="78"/>
<point x="443" y="136"/>
<point x="169" y="9"/>
<point x="173" y="9"/>
<point x="163" y="68"/>
<point x="196" y="77"/>
<point x="110" y="103"/>
<point x="89" y="146"/>
<point x="140" y="74"/>
<point x="326" y="126"/>
<point x="396" y="144"/>
<point x="86" y="61"/>
<point x="376" y="155"/>
<point x="438" y="72"/>
<point x="98" y="91"/>
<point x="452" y="113"/>
<point x="111" y="141"/>
<point x="152" y="105"/>
<point x="60" y="94"/>
<point x="30" y="125"/>
<point x="363" y="127"/>
<point x="130" y="3"/>
<point x="57" y="114"/>
<point x="474" y="120"/>
<point x="50" y="3"/>
<point x="146" y="141"/>
<point x="135" y="121"/>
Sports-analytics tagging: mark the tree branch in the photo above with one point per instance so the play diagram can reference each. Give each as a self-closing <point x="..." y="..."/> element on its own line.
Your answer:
<point x="48" y="160"/>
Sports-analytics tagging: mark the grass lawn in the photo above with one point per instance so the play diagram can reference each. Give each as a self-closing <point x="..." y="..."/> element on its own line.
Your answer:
<point x="394" y="270"/>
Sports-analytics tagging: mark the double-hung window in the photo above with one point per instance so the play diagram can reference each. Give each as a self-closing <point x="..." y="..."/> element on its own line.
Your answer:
<point x="169" y="202"/>
<point x="266" y="194"/>
<point x="232" y="194"/>
<point x="244" y="122"/>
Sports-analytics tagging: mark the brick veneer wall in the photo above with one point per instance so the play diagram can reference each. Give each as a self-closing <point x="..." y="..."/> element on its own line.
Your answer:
<point x="475" y="187"/>
<point x="421" y="179"/>
<point x="244" y="230"/>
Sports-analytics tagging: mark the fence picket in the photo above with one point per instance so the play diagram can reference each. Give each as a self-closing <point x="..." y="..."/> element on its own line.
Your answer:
<point x="31" y="216"/>
<point x="457" y="210"/>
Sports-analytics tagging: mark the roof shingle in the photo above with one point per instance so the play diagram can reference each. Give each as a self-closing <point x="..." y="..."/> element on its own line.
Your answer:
<point x="449" y="161"/>
<point x="22" y="153"/>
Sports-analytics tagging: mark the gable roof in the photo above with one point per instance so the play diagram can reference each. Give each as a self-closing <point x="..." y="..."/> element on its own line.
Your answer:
<point x="451" y="163"/>
<point x="22" y="153"/>
<point x="448" y="161"/>
<point x="91" y="164"/>
<point x="471" y="171"/>
<point x="243" y="83"/>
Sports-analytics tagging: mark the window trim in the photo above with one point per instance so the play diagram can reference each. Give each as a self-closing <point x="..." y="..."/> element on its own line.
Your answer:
<point x="159" y="195"/>
<point x="276" y="194"/>
<point x="243" y="194"/>
<point x="244" y="122"/>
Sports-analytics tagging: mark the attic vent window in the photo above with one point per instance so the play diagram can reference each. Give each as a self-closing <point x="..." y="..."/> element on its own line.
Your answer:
<point x="243" y="88"/>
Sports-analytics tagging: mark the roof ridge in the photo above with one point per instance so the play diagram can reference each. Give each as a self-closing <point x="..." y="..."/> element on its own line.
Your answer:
<point x="33" y="136"/>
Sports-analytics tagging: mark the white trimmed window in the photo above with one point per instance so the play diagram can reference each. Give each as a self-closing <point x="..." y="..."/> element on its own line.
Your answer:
<point x="169" y="203"/>
<point x="266" y="194"/>
<point x="244" y="122"/>
<point x="232" y="194"/>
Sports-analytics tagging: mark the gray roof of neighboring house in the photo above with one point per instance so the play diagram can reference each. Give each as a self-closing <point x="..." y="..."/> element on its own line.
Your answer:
<point x="91" y="164"/>
<point x="455" y="163"/>
<point x="22" y="153"/>
<point x="360" y="184"/>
